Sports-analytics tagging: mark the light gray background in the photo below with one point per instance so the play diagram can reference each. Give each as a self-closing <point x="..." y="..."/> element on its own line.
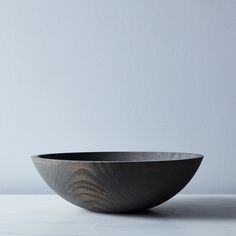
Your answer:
<point x="118" y="75"/>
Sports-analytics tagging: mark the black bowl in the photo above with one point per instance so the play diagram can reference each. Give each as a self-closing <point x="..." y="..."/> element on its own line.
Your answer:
<point x="117" y="181"/>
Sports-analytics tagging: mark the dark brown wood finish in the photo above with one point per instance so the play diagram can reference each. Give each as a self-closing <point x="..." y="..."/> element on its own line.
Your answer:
<point x="117" y="181"/>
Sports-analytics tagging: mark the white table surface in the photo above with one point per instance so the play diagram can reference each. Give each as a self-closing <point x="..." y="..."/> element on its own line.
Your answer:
<point x="182" y="215"/>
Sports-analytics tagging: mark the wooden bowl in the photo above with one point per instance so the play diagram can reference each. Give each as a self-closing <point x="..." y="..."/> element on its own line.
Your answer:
<point x="117" y="182"/>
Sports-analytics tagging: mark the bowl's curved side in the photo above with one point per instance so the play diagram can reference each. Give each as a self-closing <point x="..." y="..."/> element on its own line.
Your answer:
<point x="116" y="187"/>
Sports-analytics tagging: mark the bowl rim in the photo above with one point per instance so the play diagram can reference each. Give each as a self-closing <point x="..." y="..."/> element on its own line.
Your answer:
<point x="46" y="156"/>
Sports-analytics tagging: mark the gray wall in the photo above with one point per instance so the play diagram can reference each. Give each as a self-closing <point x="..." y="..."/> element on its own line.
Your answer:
<point x="118" y="75"/>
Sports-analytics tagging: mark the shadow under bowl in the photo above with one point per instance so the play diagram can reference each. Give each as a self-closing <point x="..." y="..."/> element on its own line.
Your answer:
<point x="117" y="182"/>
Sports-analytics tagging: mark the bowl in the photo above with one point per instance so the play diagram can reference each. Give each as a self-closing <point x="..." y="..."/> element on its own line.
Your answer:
<point x="117" y="182"/>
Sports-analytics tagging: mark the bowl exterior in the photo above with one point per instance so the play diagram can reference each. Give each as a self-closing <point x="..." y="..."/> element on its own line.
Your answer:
<point x="116" y="187"/>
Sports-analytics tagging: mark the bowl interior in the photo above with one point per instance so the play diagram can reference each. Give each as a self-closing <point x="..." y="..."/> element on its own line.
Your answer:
<point x="121" y="156"/>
